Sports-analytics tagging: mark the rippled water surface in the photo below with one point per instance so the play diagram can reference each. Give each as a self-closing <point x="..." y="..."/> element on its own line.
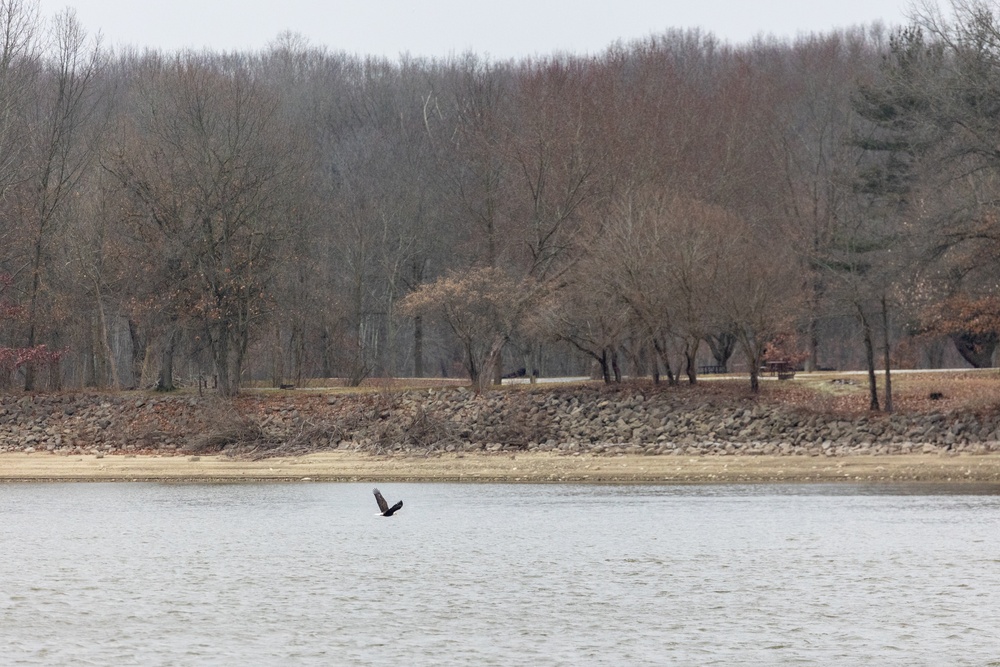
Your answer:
<point x="307" y="574"/>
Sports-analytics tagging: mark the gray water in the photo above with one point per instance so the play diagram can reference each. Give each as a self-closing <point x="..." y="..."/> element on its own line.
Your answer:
<point x="307" y="574"/>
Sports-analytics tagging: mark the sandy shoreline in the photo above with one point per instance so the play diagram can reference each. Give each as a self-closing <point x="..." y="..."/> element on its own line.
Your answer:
<point x="520" y="468"/>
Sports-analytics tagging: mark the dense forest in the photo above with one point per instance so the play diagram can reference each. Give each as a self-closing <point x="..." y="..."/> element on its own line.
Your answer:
<point x="668" y="205"/>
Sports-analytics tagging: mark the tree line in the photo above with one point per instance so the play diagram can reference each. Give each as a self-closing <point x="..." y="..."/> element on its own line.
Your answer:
<point x="670" y="205"/>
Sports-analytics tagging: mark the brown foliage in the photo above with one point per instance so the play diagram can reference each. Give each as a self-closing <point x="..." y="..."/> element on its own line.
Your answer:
<point x="481" y="306"/>
<point x="961" y="314"/>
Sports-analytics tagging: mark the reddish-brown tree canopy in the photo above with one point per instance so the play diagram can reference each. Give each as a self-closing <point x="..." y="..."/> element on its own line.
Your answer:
<point x="228" y="218"/>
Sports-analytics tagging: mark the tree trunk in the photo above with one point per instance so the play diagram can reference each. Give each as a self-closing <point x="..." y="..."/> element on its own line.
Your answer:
<point x="277" y="359"/>
<point x="498" y="370"/>
<point x="138" y="353"/>
<point x="532" y="359"/>
<point x="471" y="366"/>
<point x="298" y="346"/>
<point x="55" y="375"/>
<point x="29" y="370"/>
<point x="661" y="352"/>
<point x="236" y="374"/>
<point x="605" y="367"/>
<point x="99" y="352"/>
<point x="220" y="350"/>
<point x="691" y="358"/>
<point x="491" y="367"/>
<point x="418" y="346"/>
<point x="166" y="380"/>
<point x="721" y="346"/>
<point x="812" y="361"/>
<point x="90" y="359"/>
<point x="105" y="335"/>
<point x="326" y="356"/>
<point x="753" y="351"/>
<point x="888" y="355"/>
<point x="866" y="329"/>
<point x="526" y="363"/>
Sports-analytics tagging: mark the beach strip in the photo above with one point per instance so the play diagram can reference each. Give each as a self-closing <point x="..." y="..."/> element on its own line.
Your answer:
<point x="534" y="467"/>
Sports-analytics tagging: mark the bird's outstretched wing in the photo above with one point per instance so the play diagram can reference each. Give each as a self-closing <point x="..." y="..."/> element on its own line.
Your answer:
<point x="392" y="510"/>
<point x="382" y="505"/>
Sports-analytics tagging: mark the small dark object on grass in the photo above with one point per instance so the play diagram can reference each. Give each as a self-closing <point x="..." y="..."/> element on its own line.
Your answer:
<point x="936" y="396"/>
<point x="286" y="386"/>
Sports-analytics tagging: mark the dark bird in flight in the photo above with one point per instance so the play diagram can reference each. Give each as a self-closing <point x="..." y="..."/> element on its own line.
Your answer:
<point x="383" y="506"/>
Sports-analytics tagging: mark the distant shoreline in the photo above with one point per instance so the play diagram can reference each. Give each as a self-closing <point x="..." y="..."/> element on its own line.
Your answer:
<point x="809" y="418"/>
<point x="533" y="467"/>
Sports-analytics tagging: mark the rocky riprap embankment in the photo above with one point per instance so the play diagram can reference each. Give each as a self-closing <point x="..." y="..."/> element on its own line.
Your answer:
<point x="639" y="420"/>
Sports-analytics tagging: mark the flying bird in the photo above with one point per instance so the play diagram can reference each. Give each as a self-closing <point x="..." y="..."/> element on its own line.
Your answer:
<point x="383" y="506"/>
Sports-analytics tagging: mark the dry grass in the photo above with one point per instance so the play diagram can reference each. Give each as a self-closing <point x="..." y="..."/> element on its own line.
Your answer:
<point x="955" y="391"/>
<point x="975" y="391"/>
<point x="339" y="385"/>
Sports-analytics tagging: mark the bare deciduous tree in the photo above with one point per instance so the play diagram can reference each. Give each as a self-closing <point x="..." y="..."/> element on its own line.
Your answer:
<point x="206" y="165"/>
<point x="61" y="131"/>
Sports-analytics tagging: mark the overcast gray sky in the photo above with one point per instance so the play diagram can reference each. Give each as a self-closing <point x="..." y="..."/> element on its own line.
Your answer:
<point x="498" y="28"/>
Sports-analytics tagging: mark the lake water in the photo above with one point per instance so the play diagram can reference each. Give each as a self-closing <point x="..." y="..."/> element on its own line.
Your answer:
<point x="307" y="574"/>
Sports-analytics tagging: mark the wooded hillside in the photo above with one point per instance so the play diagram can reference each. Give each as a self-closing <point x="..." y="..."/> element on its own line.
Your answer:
<point x="668" y="206"/>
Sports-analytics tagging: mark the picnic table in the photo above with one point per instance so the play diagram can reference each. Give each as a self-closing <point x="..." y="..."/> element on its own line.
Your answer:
<point x="780" y="368"/>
